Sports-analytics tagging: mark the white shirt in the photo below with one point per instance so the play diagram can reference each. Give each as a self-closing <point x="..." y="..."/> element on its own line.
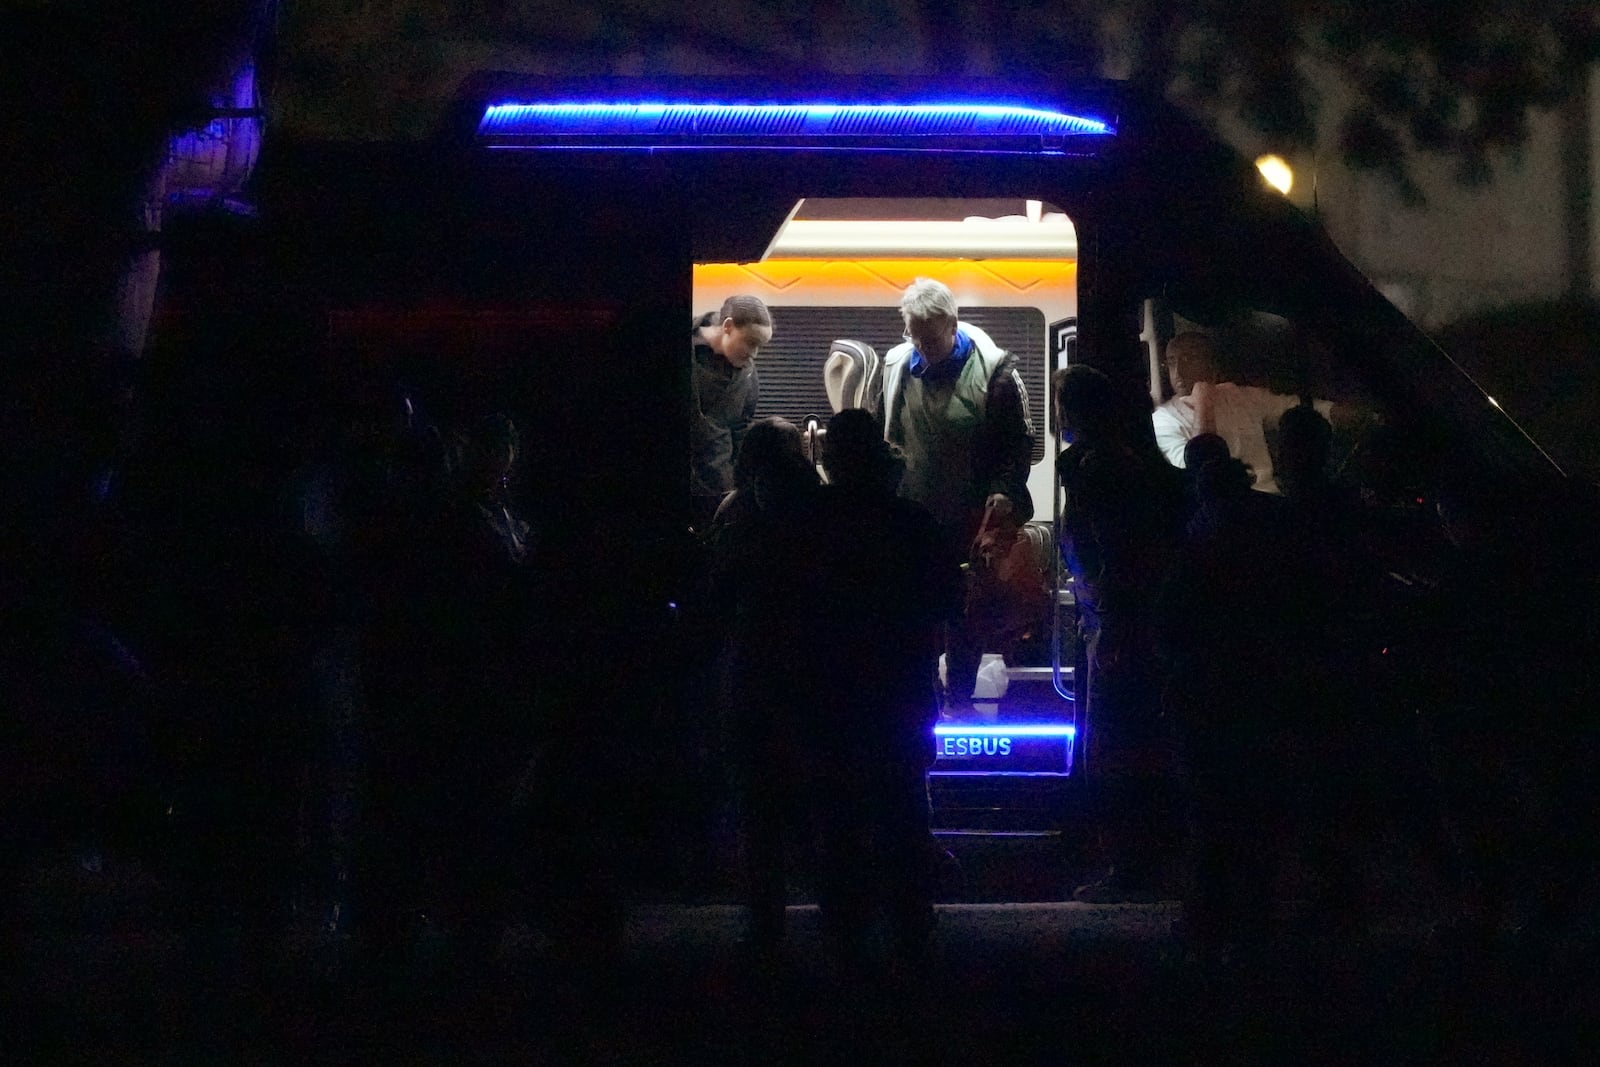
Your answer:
<point x="1242" y="414"/>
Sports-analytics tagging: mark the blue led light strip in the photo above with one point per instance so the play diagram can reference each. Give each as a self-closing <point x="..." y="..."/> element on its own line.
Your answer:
<point x="950" y="729"/>
<point x="935" y="772"/>
<point x="779" y="120"/>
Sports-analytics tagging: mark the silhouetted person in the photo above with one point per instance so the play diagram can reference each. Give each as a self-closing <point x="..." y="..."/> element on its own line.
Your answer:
<point x="1330" y="647"/>
<point x="770" y="449"/>
<point x="1223" y="619"/>
<point x="761" y="582"/>
<point x="1509" y="718"/>
<point x="888" y="584"/>
<point x="1305" y="440"/>
<point x="207" y="605"/>
<point x="1119" y="526"/>
<point x="489" y="457"/>
<point x="339" y="504"/>
<point x="449" y="719"/>
<point x="497" y="600"/>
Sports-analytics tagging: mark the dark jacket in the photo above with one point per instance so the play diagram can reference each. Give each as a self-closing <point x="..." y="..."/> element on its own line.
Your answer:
<point x="722" y="407"/>
<point x="885" y="584"/>
<point x="964" y="440"/>
<point x="1121" y="521"/>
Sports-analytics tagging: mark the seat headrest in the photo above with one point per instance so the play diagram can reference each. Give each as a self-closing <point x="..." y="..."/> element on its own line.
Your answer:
<point x="852" y="373"/>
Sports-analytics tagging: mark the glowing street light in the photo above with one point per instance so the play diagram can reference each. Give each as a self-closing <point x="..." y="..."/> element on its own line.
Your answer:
<point x="1279" y="174"/>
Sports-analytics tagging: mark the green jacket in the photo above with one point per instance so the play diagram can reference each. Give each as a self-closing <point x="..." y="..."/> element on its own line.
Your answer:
<point x="960" y="438"/>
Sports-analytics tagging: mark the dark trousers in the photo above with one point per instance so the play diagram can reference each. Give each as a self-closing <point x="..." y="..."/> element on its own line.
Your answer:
<point x="767" y="820"/>
<point x="963" y="653"/>
<point x="768" y="786"/>
<point x="438" y="834"/>
<point x="873" y="829"/>
<point x="1241" y="822"/>
<point x="963" y="639"/>
<point x="1130" y="752"/>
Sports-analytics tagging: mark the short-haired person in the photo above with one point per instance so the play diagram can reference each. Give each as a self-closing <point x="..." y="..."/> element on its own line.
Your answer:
<point x="1202" y="402"/>
<point x="956" y="412"/>
<point x="724" y="390"/>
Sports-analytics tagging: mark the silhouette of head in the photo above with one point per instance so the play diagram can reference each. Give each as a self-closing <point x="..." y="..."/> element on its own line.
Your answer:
<point x="854" y="451"/>
<point x="1086" y="404"/>
<point x="1304" y="439"/>
<point x="772" y="448"/>
<point x="1213" y="469"/>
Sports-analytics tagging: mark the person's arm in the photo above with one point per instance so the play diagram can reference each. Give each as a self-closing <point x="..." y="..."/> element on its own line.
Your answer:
<point x="1204" y="399"/>
<point x="1010" y="439"/>
<point x="888" y="410"/>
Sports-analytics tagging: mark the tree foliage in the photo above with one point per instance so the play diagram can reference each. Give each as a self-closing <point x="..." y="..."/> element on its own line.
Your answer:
<point x="1451" y="77"/>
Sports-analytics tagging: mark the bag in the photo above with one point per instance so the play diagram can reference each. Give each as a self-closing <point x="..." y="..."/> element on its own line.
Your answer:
<point x="1008" y="588"/>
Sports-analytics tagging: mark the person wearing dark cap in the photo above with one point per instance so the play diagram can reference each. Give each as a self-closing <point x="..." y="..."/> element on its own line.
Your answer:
<point x="724" y="389"/>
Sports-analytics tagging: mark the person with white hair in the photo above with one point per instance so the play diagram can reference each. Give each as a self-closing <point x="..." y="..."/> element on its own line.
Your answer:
<point x="955" y="411"/>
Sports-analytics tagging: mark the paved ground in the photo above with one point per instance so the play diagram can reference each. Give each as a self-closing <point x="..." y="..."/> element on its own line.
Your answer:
<point x="111" y="970"/>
